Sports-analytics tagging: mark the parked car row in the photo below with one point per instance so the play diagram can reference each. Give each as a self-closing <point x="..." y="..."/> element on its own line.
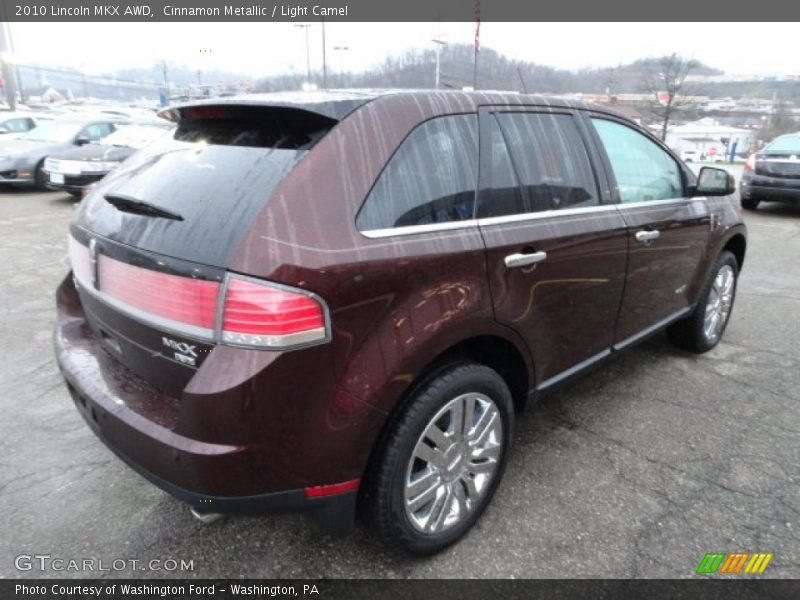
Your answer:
<point x="76" y="169"/>
<point x="63" y="152"/>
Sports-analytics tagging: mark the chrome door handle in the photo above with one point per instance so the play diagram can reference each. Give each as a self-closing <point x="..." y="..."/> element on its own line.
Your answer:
<point x="521" y="260"/>
<point x="647" y="236"/>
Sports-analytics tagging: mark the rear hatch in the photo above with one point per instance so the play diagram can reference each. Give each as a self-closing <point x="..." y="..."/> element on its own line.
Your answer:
<point x="780" y="158"/>
<point x="150" y="245"/>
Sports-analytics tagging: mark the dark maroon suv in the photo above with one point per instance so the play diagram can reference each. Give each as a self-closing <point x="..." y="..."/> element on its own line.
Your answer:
<point x="336" y="302"/>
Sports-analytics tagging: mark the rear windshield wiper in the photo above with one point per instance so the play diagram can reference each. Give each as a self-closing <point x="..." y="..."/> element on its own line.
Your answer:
<point x="139" y="207"/>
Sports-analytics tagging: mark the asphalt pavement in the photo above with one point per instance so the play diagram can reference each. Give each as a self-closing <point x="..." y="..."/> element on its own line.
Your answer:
<point x="636" y="470"/>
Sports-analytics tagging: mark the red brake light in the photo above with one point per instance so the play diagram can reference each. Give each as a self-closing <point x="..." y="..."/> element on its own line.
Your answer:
<point x="750" y="163"/>
<point x="255" y="313"/>
<point x="180" y="299"/>
<point x="267" y="315"/>
<point x="318" y="491"/>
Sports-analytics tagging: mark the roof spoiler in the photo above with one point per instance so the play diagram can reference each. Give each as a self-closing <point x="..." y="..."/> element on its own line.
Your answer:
<point x="333" y="110"/>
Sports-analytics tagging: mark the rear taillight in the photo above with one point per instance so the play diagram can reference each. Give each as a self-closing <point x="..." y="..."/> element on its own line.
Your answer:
<point x="750" y="163"/>
<point x="262" y="314"/>
<point x="174" y="300"/>
<point x="242" y="311"/>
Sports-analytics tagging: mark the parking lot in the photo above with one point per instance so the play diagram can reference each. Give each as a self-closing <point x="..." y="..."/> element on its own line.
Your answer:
<point x="636" y="470"/>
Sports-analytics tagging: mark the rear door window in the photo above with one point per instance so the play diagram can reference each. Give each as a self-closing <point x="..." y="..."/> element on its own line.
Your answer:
<point x="546" y="154"/>
<point x="430" y="179"/>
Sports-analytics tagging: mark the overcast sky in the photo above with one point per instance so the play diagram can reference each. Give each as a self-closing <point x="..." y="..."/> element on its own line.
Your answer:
<point x="257" y="49"/>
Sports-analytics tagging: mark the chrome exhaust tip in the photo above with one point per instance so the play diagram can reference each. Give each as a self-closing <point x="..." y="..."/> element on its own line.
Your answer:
<point x="206" y="518"/>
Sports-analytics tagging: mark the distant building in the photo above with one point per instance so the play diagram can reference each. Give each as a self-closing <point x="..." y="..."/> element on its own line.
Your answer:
<point x="709" y="138"/>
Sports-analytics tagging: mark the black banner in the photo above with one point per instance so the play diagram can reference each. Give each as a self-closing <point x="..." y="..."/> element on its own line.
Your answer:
<point x="439" y="589"/>
<point x="397" y="11"/>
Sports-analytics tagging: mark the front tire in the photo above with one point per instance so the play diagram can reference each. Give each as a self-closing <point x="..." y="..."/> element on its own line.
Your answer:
<point x="40" y="177"/>
<point x="442" y="459"/>
<point x="703" y="329"/>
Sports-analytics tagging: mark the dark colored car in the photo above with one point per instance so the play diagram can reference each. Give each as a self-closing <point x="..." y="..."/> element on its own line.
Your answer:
<point x="22" y="159"/>
<point x="773" y="173"/>
<point x="76" y="169"/>
<point x="324" y="302"/>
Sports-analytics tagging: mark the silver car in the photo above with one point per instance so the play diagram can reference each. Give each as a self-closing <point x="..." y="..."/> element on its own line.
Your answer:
<point x="22" y="159"/>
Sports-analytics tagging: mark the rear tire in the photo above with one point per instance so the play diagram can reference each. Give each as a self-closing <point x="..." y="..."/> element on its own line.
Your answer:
<point x="441" y="460"/>
<point x="749" y="203"/>
<point x="703" y="329"/>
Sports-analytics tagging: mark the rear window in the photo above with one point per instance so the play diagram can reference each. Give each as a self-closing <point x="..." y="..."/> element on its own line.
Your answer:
<point x="216" y="171"/>
<point x="789" y="144"/>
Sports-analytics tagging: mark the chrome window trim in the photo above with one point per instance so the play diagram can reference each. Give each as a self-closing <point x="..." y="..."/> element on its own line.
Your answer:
<point x="665" y="202"/>
<point x="416" y="229"/>
<point x="546" y="214"/>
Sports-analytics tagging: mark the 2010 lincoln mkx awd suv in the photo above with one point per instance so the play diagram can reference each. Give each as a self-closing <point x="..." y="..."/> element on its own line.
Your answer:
<point x="335" y="303"/>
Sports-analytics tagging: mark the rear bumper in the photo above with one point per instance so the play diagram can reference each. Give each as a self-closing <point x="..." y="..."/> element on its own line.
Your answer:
<point x="129" y="416"/>
<point x="764" y="188"/>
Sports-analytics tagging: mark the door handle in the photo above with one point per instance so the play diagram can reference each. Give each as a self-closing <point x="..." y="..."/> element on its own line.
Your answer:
<point x="521" y="260"/>
<point x="647" y="236"/>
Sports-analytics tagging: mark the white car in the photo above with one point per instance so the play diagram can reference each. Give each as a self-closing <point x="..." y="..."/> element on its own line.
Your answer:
<point x="14" y="124"/>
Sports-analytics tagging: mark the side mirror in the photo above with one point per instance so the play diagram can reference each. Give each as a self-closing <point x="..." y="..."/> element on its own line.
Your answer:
<point x="714" y="182"/>
<point x="82" y="140"/>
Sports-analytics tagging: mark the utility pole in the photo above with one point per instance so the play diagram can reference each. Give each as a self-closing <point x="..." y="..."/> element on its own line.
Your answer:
<point x="324" y="61"/>
<point x="166" y="78"/>
<point x="439" y="44"/>
<point x="477" y="44"/>
<point x="308" y="53"/>
<point x="6" y="67"/>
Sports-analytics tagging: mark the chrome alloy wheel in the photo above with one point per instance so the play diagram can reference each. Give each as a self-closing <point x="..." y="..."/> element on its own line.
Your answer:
<point x="453" y="463"/>
<point x="718" y="307"/>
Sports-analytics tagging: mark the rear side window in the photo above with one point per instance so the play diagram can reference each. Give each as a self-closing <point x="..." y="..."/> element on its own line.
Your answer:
<point x="644" y="171"/>
<point x="430" y="179"/>
<point x="549" y="159"/>
<point x="217" y="170"/>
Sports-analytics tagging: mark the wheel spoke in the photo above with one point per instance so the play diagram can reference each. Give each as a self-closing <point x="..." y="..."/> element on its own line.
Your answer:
<point x="414" y="504"/>
<point x="488" y="421"/>
<point x="469" y="415"/>
<point x="438" y="437"/>
<point x="430" y="455"/>
<point x="457" y="419"/>
<point x="439" y="510"/>
<point x="416" y="487"/>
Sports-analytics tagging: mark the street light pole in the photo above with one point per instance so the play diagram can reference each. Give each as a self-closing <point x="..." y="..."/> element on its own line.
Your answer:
<point x="341" y="50"/>
<point x="308" y="53"/>
<point x="439" y="44"/>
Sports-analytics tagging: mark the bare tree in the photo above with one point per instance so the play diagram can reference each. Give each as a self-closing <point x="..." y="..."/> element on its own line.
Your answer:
<point x="665" y="81"/>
